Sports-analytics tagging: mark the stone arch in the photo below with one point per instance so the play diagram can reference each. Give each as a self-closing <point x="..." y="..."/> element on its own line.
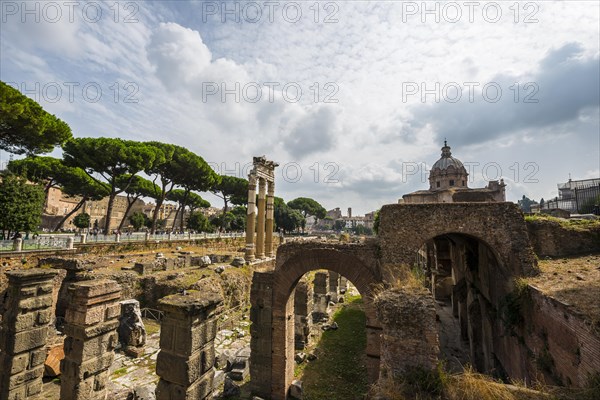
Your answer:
<point x="272" y="356"/>
<point x="501" y="226"/>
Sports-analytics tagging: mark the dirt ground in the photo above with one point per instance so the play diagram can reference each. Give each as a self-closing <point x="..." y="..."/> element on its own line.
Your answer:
<point x="574" y="281"/>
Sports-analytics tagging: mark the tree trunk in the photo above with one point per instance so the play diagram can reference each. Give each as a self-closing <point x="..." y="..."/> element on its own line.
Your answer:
<point x="159" y="203"/>
<point x="226" y="205"/>
<point x="73" y="211"/>
<point x="175" y="219"/>
<point x="129" y="205"/>
<point x="109" y="209"/>
<point x="185" y="197"/>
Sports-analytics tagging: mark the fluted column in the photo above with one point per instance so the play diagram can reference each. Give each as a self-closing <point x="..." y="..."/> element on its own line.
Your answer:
<point x="269" y="221"/>
<point x="260" y="224"/>
<point x="250" y="218"/>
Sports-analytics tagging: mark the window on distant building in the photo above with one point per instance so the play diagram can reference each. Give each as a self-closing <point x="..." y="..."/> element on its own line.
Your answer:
<point x="451" y="182"/>
<point x="463" y="182"/>
<point x="437" y="184"/>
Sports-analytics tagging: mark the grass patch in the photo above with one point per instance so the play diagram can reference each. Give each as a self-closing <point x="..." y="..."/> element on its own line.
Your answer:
<point x="340" y="371"/>
<point x="151" y="326"/>
<point x="574" y="224"/>
<point x="470" y="385"/>
<point x="119" y="372"/>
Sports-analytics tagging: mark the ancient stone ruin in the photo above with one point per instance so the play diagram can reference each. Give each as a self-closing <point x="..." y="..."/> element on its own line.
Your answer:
<point x="25" y="322"/>
<point x="187" y="356"/>
<point x="132" y="333"/>
<point x="470" y="254"/>
<point x="263" y="174"/>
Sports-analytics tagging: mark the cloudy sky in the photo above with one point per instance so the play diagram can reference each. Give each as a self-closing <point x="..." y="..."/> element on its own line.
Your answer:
<point x="352" y="98"/>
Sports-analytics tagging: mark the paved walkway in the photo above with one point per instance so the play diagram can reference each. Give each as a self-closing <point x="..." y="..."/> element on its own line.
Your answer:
<point x="452" y="348"/>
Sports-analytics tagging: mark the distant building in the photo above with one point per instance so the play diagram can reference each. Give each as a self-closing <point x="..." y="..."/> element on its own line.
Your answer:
<point x="448" y="183"/>
<point x="334" y="214"/>
<point x="58" y="205"/>
<point x="577" y="197"/>
<point x="334" y="217"/>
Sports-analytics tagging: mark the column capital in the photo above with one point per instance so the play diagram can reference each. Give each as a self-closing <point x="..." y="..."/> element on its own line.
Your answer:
<point x="252" y="180"/>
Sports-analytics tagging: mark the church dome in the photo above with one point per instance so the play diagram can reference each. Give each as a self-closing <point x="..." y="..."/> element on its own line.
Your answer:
<point x="447" y="172"/>
<point x="447" y="160"/>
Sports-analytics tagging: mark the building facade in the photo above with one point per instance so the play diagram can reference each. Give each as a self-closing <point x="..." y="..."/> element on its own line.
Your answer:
<point x="448" y="183"/>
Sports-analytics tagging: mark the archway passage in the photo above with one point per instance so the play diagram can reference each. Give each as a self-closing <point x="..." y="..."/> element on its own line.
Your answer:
<point x="463" y="272"/>
<point x="272" y="312"/>
<point x="497" y="228"/>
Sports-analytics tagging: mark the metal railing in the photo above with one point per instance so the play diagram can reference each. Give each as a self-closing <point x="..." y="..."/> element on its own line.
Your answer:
<point x="231" y="318"/>
<point x="56" y="242"/>
<point x="37" y="243"/>
<point x="150" y="313"/>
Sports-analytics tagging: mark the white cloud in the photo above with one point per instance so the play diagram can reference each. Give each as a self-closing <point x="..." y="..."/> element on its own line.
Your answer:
<point x="171" y="53"/>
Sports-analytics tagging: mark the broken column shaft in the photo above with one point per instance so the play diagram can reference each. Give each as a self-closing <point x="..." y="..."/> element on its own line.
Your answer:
<point x="187" y="352"/>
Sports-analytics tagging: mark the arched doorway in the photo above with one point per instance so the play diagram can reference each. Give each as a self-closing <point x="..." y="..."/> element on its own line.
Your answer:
<point x="272" y="312"/>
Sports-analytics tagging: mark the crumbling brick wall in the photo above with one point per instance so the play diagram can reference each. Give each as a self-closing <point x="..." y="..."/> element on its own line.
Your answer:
<point x="563" y="345"/>
<point x="550" y="238"/>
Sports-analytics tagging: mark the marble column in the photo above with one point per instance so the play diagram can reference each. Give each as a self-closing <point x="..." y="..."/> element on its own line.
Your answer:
<point x="260" y="223"/>
<point x="250" y="219"/>
<point x="269" y="222"/>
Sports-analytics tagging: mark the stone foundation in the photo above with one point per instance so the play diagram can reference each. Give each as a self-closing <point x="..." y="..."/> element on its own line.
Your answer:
<point x="23" y="332"/>
<point x="187" y="352"/>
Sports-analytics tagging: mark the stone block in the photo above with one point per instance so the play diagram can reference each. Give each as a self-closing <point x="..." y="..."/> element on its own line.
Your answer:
<point x="33" y="388"/>
<point x="88" y="332"/>
<point x="35" y="303"/>
<point x="44" y="317"/>
<point x="81" y="370"/>
<point x="88" y="316"/>
<point x="24" y="377"/>
<point x="184" y="370"/>
<point x="19" y="363"/>
<point x="38" y="357"/>
<point x="24" y="322"/>
<point x="200" y="390"/>
<point x="90" y="347"/>
<point x="26" y="340"/>
<point x="28" y="291"/>
<point x="89" y="290"/>
<point x="44" y="289"/>
<point x="113" y="311"/>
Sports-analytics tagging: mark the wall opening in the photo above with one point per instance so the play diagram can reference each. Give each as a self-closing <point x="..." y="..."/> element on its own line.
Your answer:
<point x="464" y="276"/>
<point x="330" y="337"/>
<point x="273" y="318"/>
